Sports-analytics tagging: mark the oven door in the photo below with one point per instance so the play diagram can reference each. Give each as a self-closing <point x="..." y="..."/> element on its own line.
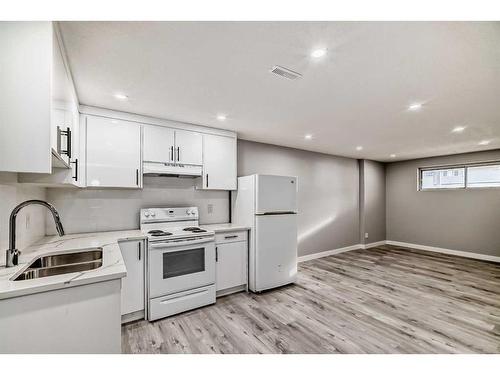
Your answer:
<point x="175" y="267"/>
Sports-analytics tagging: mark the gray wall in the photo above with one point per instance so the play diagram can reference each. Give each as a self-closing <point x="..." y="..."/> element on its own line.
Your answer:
<point x="372" y="205"/>
<point x="466" y="220"/>
<point x="328" y="192"/>
<point x="96" y="210"/>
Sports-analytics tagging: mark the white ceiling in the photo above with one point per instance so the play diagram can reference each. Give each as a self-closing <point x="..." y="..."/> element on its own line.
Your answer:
<point x="356" y="95"/>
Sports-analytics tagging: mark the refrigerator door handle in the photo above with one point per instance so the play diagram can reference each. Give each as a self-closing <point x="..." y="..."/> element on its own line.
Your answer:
<point x="279" y="213"/>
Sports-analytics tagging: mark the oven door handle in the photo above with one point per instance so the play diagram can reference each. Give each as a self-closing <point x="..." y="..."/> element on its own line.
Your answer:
<point x="159" y="245"/>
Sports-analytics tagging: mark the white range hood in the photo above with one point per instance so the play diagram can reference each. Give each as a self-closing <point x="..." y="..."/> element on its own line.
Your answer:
<point x="171" y="170"/>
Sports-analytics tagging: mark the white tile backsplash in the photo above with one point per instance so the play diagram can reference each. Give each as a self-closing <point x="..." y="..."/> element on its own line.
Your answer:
<point x="96" y="210"/>
<point x="30" y="220"/>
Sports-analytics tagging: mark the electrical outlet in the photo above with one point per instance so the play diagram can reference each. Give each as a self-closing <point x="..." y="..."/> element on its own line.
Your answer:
<point x="366" y="235"/>
<point x="210" y="208"/>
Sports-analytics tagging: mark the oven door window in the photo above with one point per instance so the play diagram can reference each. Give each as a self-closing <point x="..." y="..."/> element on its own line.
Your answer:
<point x="184" y="262"/>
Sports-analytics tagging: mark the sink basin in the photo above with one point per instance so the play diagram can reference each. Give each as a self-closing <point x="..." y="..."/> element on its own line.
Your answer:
<point x="67" y="258"/>
<point x="58" y="264"/>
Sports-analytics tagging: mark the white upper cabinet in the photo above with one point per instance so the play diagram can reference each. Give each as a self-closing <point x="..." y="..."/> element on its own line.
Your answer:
<point x="63" y="108"/>
<point x="158" y="144"/>
<point x="113" y="153"/>
<point x="166" y="145"/>
<point x="25" y="96"/>
<point x="39" y="101"/>
<point x="219" y="162"/>
<point x="188" y="147"/>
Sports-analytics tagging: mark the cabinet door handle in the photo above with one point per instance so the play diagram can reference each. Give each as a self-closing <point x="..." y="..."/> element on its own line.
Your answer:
<point x="59" y="140"/>
<point x="139" y="251"/>
<point x="66" y="133"/>
<point x="178" y="154"/>
<point x="172" y="153"/>
<point x="207" y="179"/>
<point x="75" y="177"/>
<point x="68" y="142"/>
<point x="216" y="254"/>
<point x="137" y="177"/>
<point x="229" y="237"/>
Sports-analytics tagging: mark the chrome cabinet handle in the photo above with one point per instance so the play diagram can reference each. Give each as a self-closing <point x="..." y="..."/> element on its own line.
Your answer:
<point x="178" y="153"/>
<point x="66" y="133"/>
<point x="172" y="153"/>
<point x="216" y="254"/>
<point x="139" y="250"/>
<point x="137" y="177"/>
<point x="228" y="237"/>
<point x="207" y="179"/>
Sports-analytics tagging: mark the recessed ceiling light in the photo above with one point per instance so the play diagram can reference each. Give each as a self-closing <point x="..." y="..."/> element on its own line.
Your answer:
<point x="317" y="53"/>
<point x="121" y="96"/>
<point x="359" y="148"/>
<point x="308" y="136"/>
<point x="221" y="117"/>
<point x="414" y="106"/>
<point x="484" y="143"/>
<point x="458" y="129"/>
<point x="392" y="155"/>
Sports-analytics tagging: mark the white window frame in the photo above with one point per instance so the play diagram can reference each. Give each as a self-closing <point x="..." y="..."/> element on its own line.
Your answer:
<point x="465" y="166"/>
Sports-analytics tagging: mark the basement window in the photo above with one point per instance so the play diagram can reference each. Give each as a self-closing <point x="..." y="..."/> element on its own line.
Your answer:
<point x="483" y="176"/>
<point x="468" y="176"/>
<point x="449" y="178"/>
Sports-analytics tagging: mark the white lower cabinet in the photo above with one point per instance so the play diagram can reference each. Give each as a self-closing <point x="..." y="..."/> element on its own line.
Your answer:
<point x="231" y="262"/>
<point x="132" y="295"/>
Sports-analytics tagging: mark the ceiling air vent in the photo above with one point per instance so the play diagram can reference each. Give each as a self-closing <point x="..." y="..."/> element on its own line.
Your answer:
<point x="285" y="73"/>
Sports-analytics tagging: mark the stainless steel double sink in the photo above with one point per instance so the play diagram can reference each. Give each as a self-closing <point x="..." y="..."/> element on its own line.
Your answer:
<point x="58" y="264"/>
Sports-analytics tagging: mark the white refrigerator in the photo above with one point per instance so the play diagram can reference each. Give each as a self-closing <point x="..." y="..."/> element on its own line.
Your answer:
<point x="268" y="205"/>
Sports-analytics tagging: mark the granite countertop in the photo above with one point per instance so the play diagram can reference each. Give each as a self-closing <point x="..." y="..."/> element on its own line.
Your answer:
<point x="225" y="227"/>
<point x="113" y="266"/>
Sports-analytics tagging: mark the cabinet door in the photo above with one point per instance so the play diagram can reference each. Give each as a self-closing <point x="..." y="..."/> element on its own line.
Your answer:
<point x="219" y="162"/>
<point x="231" y="265"/>
<point x="188" y="147"/>
<point x="113" y="153"/>
<point x="62" y="102"/>
<point x="132" y="295"/>
<point x="158" y="145"/>
<point x="25" y="86"/>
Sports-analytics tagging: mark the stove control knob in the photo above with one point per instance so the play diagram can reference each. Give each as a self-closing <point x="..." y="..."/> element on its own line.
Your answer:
<point x="153" y="214"/>
<point x="146" y="213"/>
<point x="188" y="212"/>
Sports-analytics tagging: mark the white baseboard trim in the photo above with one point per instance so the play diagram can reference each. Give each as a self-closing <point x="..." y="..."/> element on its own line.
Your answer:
<point x="459" y="253"/>
<point x="373" y="244"/>
<point x="323" y="254"/>
<point x="442" y="250"/>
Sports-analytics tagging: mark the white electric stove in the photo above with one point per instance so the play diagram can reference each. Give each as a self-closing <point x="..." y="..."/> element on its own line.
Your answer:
<point x="181" y="261"/>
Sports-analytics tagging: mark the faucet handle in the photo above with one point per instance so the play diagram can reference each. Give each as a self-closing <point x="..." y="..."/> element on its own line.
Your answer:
<point x="12" y="257"/>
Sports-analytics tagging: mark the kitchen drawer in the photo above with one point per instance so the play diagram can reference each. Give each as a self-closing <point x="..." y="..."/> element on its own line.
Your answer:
<point x="240" y="235"/>
<point x="162" y="307"/>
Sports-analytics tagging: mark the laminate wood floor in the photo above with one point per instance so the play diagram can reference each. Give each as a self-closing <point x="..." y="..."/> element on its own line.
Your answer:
<point x="381" y="300"/>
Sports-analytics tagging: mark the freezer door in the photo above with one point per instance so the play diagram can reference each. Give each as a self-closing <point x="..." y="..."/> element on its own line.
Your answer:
<point x="275" y="194"/>
<point x="275" y="251"/>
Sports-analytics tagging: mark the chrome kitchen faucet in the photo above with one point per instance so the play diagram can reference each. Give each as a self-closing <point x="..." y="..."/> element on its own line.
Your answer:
<point x="12" y="254"/>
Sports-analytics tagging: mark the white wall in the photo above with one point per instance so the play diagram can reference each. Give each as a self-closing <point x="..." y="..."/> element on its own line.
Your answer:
<point x="96" y="210"/>
<point x="30" y="220"/>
